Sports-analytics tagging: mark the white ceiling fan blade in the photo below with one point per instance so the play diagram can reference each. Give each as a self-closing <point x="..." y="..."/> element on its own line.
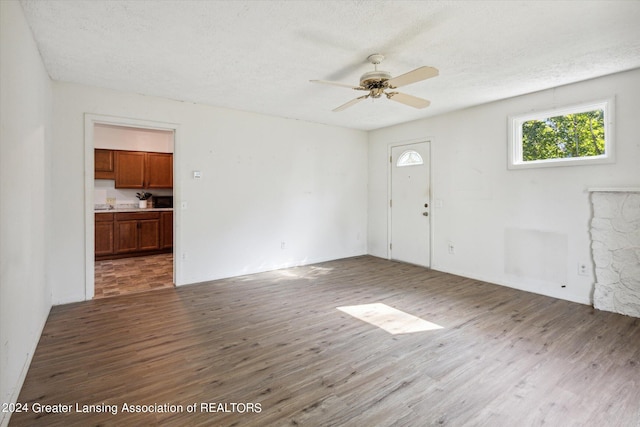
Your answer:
<point x="416" y="75"/>
<point x="350" y="103"/>
<point x="326" y="82"/>
<point x="410" y="100"/>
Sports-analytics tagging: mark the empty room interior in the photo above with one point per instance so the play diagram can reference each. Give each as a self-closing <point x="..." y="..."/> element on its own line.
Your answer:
<point x="378" y="213"/>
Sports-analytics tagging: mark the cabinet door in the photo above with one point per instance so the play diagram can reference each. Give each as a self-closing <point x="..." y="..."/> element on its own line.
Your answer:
<point x="129" y="169"/>
<point x="104" y="234"/>
<point x="166" y="223"/>
<point x="149" y="234"/>
<point x="104" y="164"/>
<point x="126" y="236"/>
<point x="159" y="170"/>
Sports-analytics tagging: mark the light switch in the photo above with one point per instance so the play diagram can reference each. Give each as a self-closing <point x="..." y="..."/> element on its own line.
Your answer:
<point x="197" y="174"/>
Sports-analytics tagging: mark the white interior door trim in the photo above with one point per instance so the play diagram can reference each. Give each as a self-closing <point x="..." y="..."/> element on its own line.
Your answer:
<point x="390" y="147"/>
<point x="90" y="120"/>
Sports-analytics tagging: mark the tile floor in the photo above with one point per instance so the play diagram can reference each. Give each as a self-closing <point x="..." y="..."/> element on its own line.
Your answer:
<point x="129" y="275"/>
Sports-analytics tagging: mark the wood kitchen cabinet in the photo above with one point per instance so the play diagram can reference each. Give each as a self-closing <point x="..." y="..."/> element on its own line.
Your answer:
<point x="166" y="223"/>
<point x="126" y="234"/>
<point x="159" y="170"/>
<point x="104" y="161"/>
<point x="130" y="169"/>
<point x="137" y="231"/>
<point x="138" y="169"/>
<point x="104" y="234"/>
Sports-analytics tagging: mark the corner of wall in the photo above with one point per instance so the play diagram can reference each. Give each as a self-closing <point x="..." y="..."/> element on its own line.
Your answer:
<point x="25" y="135"/>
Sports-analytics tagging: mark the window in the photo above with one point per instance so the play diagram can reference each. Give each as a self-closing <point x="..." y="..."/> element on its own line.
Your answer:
<point x="561" y="137"/>
<point x="409" y="158"/>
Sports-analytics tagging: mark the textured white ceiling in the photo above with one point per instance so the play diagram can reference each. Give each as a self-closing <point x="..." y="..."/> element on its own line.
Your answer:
<point x="260" y="55"/>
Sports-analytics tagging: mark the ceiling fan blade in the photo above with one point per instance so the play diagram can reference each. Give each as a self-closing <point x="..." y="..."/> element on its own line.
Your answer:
<point x="416" y="75"/>
<point x="326" y="82"/>
<point x="410" y="100"/>
<point x="350" y="103"/>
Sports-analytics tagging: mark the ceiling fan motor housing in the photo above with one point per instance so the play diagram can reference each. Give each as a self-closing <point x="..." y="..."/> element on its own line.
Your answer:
<point x="375" y="79"/>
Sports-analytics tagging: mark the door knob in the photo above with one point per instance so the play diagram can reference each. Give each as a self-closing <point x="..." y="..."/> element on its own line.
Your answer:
<point x="425" y="213"/>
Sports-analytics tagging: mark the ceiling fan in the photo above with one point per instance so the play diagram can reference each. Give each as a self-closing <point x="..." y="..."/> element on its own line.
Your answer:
<point x="377" y="82"/>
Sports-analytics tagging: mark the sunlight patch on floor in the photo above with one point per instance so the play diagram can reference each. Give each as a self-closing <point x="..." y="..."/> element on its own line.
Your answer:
<point x="388" y="318"/>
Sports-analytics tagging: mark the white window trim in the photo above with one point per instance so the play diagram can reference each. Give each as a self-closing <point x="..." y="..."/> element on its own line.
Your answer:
<point x="407" y="153"/>
<point x="515" y="122"/>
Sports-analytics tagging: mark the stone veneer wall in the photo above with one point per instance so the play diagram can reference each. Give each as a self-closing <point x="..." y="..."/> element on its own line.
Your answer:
<point x="615" y="246"/>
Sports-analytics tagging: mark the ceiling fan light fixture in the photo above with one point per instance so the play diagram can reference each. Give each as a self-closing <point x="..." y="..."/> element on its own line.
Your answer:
<point x="372" y="79"/>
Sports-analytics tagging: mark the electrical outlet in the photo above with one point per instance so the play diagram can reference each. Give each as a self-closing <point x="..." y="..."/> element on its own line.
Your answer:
<point x="583" y="269"/>
<point x="283" y="245"/>
<point x="451" y="248"/>
<point x="184" y="255"/>
<point x="111" y="201"/>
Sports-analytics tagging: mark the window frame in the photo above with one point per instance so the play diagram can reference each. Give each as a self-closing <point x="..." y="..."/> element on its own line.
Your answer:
<point x="515" y="122"/>
<point x="407" y="153"/>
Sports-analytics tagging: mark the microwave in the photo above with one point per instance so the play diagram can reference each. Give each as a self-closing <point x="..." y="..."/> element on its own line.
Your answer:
<point x="162" y="201"/>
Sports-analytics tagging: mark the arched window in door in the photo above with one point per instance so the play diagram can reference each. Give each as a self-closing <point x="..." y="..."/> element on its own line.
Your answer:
<point x="409" y="158"/>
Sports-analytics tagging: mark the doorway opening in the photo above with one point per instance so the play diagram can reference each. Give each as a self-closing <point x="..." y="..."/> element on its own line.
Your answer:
<point x="129" y="189"/>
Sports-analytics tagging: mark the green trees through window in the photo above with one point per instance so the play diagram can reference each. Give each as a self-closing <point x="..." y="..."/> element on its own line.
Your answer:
<point x="571" y="135"/>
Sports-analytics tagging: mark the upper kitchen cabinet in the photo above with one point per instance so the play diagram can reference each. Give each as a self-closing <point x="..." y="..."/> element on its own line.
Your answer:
<point x="137" y="169"/>
<point x="159" y="170"/>
<point x="130" y="169"/>
<point x="104" y="164"/>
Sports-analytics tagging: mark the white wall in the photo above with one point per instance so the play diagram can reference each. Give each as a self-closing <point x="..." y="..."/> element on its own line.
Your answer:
<point x="134" y="139"/>
<point x="508" y="227"/>
<point x="25" y="139"/>
<point x="265" y="180"/>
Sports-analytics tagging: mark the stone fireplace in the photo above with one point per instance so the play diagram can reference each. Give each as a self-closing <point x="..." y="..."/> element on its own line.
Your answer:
<point x="615" y="247"/>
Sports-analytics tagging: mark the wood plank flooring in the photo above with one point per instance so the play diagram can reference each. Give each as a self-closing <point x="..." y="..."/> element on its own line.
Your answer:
<point x="503" y="357"/>
<point x="123" y="276"/>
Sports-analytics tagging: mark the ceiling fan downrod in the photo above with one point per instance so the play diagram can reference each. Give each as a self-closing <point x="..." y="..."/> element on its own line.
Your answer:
<point x="376" y="80"/>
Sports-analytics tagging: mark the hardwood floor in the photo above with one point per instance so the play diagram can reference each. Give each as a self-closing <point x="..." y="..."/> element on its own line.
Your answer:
<point x="502" y="358"/>
<point x="130" y="275"/>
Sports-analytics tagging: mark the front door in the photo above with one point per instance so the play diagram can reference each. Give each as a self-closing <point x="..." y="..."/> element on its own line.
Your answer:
<point x="409" y="204"/>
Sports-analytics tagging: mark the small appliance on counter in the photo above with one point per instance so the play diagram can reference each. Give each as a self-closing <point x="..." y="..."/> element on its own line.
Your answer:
<point x="163" y="201"/>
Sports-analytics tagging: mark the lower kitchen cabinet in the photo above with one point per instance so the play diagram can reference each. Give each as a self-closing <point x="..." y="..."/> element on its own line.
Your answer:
<point x="126" y="236"/>
<point x="137" y="231"/>
<point x="104" y="234"/>
<point x="133" y="233"/>
<point x="149" y="234"/>
<point x="166" y="222"/>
